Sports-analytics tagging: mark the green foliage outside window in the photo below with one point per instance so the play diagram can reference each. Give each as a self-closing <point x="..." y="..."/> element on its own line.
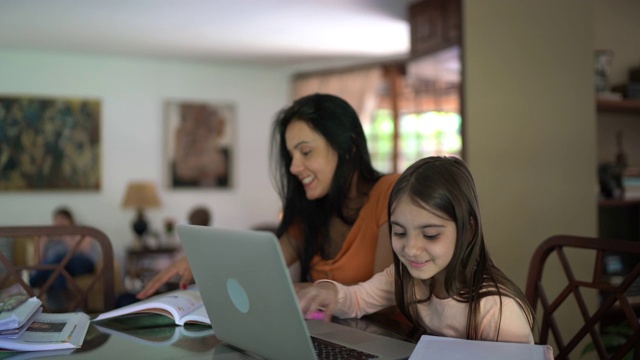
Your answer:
<point x="420" y="135"/>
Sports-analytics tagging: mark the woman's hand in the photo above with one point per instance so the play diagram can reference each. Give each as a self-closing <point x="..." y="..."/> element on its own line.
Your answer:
<point x="179" y="267"/>
<point x="321" y="298"/>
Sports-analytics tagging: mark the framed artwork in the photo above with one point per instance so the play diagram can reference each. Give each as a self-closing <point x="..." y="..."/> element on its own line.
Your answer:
<point x="199" y="144"/>
<point x="49" y="143"/>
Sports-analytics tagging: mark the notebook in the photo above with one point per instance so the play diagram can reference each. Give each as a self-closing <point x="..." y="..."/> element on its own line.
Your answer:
<point x="250" y="299"/>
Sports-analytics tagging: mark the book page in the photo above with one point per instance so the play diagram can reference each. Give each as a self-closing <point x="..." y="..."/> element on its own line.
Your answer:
<point x="199" y="315"/>
<point x="437" y="347"/>
<point x="174" y="304"/>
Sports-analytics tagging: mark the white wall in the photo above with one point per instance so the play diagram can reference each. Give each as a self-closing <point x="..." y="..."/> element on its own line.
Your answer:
<point x="530" y="126"/>
<point x="132" y="92"/>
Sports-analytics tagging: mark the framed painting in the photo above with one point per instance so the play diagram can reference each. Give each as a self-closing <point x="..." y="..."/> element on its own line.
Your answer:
<point x="199" y="144"/>
<point x="49" y="143"/>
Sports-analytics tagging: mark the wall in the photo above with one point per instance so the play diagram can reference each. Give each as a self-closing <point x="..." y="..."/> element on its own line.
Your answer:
<point x="530" y="125"/>
<point x="132" y="91"/>
<point x="530" y="122"/>
<point x="617" y="28"/>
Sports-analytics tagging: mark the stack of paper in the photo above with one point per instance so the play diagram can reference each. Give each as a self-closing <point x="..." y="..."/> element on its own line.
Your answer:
<point x="51" y="332"/>
<point x="18" y="312"/>
<point x="23" y="326"/>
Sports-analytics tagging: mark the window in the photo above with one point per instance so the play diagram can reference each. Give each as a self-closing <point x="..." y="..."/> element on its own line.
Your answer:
<point x="429" y="122"/>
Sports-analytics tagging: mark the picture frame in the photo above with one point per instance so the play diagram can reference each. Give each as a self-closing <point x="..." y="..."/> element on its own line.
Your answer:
<point x="50" y="143"/>
<point x="199" y="144"/>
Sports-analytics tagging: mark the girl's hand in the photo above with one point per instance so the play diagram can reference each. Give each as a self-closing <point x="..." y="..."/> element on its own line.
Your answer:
<point x="179" y="267"/>
<point x="321" y="297"/>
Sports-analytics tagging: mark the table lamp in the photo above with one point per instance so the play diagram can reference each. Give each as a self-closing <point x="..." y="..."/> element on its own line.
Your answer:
<point x="141" y="195"/>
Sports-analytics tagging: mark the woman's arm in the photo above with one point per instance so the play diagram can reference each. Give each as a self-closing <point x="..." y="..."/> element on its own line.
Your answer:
<point x="181" y="267"/>
<point x="290" y="248"/>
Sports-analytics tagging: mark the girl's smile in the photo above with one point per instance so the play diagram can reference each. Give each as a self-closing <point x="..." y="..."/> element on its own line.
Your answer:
<point x="418" y="264"/>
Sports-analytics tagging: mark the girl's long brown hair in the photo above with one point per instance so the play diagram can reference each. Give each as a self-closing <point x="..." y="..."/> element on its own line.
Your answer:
<point x="445" y="184"/>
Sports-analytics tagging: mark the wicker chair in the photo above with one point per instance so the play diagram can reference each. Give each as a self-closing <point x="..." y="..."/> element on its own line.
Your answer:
<point x="93" y="292"/>
<point x="614" y="297"/>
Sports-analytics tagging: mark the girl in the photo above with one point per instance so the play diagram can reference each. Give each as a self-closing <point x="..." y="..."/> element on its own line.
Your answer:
<point x="442" y="278"/>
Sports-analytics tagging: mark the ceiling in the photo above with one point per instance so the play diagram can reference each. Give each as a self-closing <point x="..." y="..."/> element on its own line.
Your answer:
<point x="295" y="34"/>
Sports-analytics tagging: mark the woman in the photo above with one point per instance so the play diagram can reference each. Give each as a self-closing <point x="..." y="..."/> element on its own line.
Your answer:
<point x="334" y="203"/>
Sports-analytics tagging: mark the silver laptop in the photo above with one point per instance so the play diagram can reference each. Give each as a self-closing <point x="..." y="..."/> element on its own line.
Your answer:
<point x="250" y="299"/>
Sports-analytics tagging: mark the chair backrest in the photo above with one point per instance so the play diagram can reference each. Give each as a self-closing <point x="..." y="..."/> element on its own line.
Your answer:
<point x="614" y="296"/>
<point x="98" y="285"/>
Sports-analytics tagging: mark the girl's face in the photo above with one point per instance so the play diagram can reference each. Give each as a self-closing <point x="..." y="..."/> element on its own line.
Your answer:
<point x="313" y="160"/>
<point x="423" y="240"/>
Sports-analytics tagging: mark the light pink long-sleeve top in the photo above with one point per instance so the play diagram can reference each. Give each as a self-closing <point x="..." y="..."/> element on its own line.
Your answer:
<point x="443" y="317"/>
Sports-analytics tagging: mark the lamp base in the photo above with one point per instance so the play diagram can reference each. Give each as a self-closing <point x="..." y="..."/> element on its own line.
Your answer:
<point x="140" y="227"/>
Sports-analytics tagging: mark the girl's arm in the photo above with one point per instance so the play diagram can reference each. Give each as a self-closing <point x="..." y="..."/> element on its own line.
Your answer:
<point x="353" y="301"/>
<point x="514" y="326"/>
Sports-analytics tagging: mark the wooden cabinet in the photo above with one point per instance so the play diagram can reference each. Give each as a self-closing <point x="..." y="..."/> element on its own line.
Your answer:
<point x="143" y="264"/>
<point x="623" y="106"/>
<point x="435" y="25"/>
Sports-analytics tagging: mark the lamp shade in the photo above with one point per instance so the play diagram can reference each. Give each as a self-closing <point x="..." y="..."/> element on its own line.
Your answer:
<point x="141" y="195"/>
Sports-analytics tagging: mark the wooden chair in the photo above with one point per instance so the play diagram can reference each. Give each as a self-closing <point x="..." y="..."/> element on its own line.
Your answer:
<point x="93" y="292"/>
<point x="612" y="294"/>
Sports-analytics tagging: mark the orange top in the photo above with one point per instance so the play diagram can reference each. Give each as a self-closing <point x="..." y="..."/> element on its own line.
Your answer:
<point x="354" y="263"/>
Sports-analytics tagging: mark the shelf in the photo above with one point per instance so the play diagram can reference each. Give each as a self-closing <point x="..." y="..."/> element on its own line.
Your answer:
<point x="623" y="106"/>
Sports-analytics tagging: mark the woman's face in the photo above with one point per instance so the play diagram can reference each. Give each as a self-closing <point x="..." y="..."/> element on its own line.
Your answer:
<point x="313" y="160"/>
<point x="423" y="240"/>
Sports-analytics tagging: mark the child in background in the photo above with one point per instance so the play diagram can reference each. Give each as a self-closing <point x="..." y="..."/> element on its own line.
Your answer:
<point x="442" y="277"/>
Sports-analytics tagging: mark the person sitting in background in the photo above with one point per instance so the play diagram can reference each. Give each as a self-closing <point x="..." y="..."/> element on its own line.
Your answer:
<point x="200" y="216"/>
<point x="52" y="251"/>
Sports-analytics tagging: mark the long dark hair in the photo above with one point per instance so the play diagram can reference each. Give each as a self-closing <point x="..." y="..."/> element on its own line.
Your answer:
<point x="338" y="123"/>
<point x="445" y="184"/>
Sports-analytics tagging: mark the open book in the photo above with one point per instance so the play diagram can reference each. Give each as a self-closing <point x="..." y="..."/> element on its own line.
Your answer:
<point x="51" y="332"/>
<point x="183" y="306"/>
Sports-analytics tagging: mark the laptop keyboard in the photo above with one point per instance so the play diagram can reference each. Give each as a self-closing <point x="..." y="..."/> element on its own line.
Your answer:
<point x="327" y="350"/>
